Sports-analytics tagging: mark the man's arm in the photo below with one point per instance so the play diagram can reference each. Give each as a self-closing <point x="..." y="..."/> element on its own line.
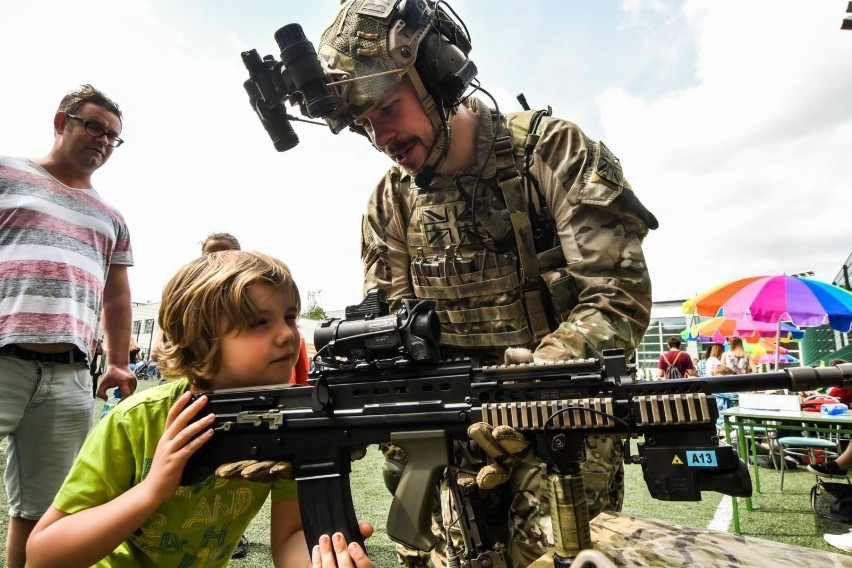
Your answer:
<point x="601" y="237"/>
<point x="384" y="252"/>
<point x="117" y="320"/>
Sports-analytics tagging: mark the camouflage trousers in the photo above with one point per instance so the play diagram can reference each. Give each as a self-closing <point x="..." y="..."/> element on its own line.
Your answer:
<point x="652" y="543"/>
<point x="525" y="508"/>
<point x="529" y="512"/>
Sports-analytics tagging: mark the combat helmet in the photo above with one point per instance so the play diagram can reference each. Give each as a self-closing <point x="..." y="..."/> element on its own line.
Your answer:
<point x="372" y="44"/>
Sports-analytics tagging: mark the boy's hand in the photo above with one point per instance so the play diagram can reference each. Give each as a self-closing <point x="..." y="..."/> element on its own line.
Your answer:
<point x="334" y="552"/>
<point x="181" y="439"/>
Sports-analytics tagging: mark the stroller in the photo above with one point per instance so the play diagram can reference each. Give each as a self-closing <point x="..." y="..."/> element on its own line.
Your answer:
<point x="146" y="370"/>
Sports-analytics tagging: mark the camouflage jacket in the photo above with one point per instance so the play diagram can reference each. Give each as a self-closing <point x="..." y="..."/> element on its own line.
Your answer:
<point x="600" y="237"/>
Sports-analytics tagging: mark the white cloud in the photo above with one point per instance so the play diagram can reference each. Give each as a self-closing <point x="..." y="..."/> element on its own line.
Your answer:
<point x="747" y="170"/>
<point x="742" y="152"/>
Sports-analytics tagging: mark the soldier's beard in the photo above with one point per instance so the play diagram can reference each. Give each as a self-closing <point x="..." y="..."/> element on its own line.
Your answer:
<point x="410" y="154"/>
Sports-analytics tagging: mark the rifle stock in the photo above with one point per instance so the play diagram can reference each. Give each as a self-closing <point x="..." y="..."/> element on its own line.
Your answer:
<point x="424" y="406"/>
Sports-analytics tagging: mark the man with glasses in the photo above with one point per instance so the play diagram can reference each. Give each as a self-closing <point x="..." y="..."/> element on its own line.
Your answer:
<point x="64" y="254"/>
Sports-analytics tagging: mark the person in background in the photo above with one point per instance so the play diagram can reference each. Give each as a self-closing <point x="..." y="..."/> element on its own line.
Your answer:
<point x="735" y="357"/>
<point x="838" y="468"/>
<point x="841" y="394"/>
<point x="96" y="365"/>
<point x="701" y="366"/>
<point x="834" y="469"/>
<point x="674" y="357"/>
<point x="121" y="504"/>
<point x="59" y="240"/>
<point x="219" y="241"/>
<point x="714" y="359"/>
<point x="133" y="356"/>
<point x="303" y="366"/>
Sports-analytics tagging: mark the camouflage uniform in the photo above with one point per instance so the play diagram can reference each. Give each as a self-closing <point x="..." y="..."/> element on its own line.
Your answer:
<point x="425" y="244"/>
<point x="636" y="542"/>
<point x="600" y="237"/>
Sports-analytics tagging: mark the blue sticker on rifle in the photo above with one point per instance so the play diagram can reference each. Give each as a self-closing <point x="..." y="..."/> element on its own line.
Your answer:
<point x="701" y="459"/>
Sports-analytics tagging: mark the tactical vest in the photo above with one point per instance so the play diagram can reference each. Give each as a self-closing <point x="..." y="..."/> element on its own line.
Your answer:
<point x="491" y="286"/>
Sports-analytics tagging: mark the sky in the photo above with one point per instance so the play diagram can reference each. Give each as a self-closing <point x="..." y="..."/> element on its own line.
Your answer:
<point x="732" y="120"/>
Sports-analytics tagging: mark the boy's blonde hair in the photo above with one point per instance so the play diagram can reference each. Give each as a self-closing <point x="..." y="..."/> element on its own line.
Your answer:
<point x="207" y="298"/>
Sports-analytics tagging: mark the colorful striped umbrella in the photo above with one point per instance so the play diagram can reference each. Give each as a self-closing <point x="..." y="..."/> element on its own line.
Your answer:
<point x="773" y="299"/>
<point x="787" y="359"/>
<point x="763" y="347"/>
<point x="719" y="328"/>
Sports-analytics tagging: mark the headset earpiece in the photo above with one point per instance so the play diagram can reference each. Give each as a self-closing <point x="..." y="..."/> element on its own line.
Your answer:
<point x="444" y="69"/>
<point x="442" y="61"/>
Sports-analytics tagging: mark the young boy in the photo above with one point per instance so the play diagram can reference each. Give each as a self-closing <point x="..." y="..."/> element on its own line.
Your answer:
<point x="231" y="322"/>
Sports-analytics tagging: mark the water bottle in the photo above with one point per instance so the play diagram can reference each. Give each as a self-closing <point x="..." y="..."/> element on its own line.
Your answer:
<point x="111" y="401"/>
<point x="834" y="409"/>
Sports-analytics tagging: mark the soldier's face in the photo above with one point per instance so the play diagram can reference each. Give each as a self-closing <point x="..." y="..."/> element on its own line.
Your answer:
<point x="398" y="126"/>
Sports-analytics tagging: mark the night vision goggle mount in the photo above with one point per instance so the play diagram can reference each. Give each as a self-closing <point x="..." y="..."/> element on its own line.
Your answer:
<point x="298" y="79"/>
<point x="420" y="35"/>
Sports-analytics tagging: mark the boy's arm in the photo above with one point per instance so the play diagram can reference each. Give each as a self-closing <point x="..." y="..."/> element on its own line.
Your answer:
<point x="289" y="549"/>
<point x="87" y="536"/>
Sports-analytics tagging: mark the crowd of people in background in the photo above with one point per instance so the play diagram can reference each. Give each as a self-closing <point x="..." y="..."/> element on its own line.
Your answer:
<point x="729" y="358"/>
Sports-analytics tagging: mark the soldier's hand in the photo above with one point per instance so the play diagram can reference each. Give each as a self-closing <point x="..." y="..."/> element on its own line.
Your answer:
<point x="258" y="471"/>
<point x="517" y="356"/>
<point x="505" y="446"/>
<point x="549" y="352"/>
<point x="269" y="470"/>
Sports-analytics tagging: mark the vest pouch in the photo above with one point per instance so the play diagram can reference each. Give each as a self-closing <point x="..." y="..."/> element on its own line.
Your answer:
<point x="560" y="294"/>
<point x="478" y="298"/>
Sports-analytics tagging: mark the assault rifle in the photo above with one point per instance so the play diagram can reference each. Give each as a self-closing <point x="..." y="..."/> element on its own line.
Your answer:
<point x="373" y="390"/>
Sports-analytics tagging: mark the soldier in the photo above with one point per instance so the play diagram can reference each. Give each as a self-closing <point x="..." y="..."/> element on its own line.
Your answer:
<point x="522" y="229"/>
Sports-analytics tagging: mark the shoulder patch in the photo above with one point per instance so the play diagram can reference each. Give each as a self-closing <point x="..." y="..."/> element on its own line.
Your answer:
<point x="376" y="8"/>
<point x="607" y="166"/>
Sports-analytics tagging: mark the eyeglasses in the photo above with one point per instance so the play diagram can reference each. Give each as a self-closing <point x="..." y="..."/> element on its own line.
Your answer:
<point x="95" y="130"/>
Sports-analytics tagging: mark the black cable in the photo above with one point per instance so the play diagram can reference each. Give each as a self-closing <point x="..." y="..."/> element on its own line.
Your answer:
<point x="628" y="434"/>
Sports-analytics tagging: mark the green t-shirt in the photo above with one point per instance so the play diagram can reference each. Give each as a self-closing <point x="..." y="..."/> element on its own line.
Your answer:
<point x="200" y="526"/>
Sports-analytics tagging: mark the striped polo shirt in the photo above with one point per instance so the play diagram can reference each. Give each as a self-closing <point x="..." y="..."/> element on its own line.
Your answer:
<point x="56" y="246"/>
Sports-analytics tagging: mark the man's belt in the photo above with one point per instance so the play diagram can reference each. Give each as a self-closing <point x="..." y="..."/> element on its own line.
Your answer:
<point x="66" y="357"/>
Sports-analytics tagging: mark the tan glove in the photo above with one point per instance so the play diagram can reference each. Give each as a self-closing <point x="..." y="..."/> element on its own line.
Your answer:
<point x="258" y="471"/>
<point x="505" y="446"/>
<point x="519" y="355"/>
<point x="269" y="470"/>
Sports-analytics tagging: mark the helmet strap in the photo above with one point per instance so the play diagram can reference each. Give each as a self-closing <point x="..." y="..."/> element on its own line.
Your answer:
<point x="441" y="124"/>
